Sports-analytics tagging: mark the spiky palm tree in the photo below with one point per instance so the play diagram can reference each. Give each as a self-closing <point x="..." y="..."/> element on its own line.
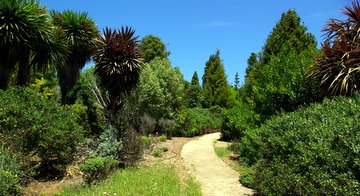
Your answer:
<point x="26" y="39"/>
<point x="118" y="65"/>
<point x="338" y="70"/>
<point x="80" y="34"/>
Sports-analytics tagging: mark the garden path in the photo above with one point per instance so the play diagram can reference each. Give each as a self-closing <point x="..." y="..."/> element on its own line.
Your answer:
<point x="216" y="177"/>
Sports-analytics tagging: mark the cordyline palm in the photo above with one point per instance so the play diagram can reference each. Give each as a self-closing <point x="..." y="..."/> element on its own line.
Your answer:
<point x="338" y="70"/>
<point x="117" y="66"/>
<point x="26" y="40"/>
<point x="80" y="34"/>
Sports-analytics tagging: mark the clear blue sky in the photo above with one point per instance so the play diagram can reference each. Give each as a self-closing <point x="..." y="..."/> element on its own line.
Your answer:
<point x="194" y="29"/>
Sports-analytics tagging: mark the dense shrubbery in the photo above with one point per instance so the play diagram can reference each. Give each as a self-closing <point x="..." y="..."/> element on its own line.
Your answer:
<point x="314" y="151"/>
<point x="197" y="121"/>
<point x="235" y="121"/>
<point x="96" y="168"/>
<point x="10" y="173"/>
<point x="40" y="128"/>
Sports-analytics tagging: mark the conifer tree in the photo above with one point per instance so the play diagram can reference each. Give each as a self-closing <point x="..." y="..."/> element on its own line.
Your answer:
<point x="193" y="91"/>
<point x="215" y="87"/>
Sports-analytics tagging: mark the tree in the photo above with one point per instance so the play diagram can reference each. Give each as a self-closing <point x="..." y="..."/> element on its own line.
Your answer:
<point x="337" y="70"/>
<point x="194" y="92"/>
<point x="237" y="81"/>
<point x="161" y="90"/>
<point x="276" y="77"/>
<point x="117" y="66"/>
<point x="151" y="47"/>
<point x="252" y="60"/>
<point x="215" y="87"/>
<point x="26" y="40"/>
<point x="80" y="35"/>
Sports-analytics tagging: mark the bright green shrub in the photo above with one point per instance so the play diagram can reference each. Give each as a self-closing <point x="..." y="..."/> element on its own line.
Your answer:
<point x="313" y="151"/>
<point x="96" y="168"/>
<point x="235" y="121"/>
<point x="40" y="128"/>
<point x="162" y="138"/>
<point x="197" y="121"/>
<point x="10" y="173"/>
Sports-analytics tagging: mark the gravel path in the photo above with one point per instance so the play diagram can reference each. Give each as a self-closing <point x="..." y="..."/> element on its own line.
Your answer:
<point x="216" y="177"/>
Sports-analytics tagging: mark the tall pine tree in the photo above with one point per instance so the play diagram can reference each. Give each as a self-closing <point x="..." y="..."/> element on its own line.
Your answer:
<point x="215" y="87"/>
<point x="193" y="92"/>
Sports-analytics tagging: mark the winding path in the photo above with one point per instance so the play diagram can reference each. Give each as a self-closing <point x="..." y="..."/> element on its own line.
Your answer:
<point x="216" y="177"/>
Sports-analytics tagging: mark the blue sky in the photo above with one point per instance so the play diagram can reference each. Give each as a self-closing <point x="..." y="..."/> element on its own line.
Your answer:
<point x="194" y="29"/>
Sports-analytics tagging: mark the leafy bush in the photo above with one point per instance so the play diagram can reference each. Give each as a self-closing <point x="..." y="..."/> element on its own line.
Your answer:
<point x="10" y="173"/>
<point x="148" y="124"/>
<point x="235" y="121"/>
<point x="197" y="121"/>
<point x="146" y="140"/>
<point x="162" y="138"/>
<point x="109" y="144"/>
<point x="166" y="126"/>
<point x="159" y="151"/>
<point x="314" y="151"/>
<point x="39" y="128"/>
<point x="96" y="167"/>
<point x="132" y="147"/>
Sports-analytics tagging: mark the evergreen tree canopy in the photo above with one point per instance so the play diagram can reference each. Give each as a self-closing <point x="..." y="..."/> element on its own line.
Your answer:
<point x="193" y="92"/>
<point x="275" y="78"/>
<point x="151" y="47"/>
<point x="215" y="87"/>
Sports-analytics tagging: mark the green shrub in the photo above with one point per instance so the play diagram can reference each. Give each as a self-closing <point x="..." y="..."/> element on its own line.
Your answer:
<point x="166" y="126"/>
<point x="197" y="121"/>
<point x="146" y="140"/>
<point x="96" y="168"/>
<point x="148" y="124"/>
<point x="10" y="173"/>
<point x="313" y="151"/>
<point x="109" y="143"/>
<point x="162" y="138"/>
<point x="235" y="121"/>
<point x="40" y="128"/>
<point x="159" y="151"/>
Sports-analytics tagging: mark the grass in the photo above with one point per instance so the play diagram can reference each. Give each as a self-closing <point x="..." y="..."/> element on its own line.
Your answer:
<point x="159" y="179"/>
<point x="222" y="151"/>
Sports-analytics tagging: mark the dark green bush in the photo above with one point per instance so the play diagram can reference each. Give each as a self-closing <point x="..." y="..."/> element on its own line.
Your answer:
<point x="96" y="168"/>
<point x="40" y="128"/>
<point x="197" y="121"/>
<point x="313" y="151"/>
<point x="235" y="121"/>
<point x="10" y="173"/>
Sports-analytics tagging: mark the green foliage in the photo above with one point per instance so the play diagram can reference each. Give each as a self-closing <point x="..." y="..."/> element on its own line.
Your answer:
<point x="147" y="124"/>
<point x="80" y="34"/>
<point x="275" y="79"/>
<point x="159" y="151"/>
<point x="313" y="151"/>
<point x="27" y="40"/>
<point x="96" y="168"/>
<point x="337" y="69"/>
<point x="109" y="144"/>
<point x="162" y="138"/>
<point x="193" y="92"/>
<point x="197" y="121"/>
<point x="39" y="127"/>
<point x="147" y="181"/>
<point x="237" y="120"/>
<point x="152" y="47"/>
<point x="146" y="141"/>
<point x="166" y="126"/>
<point x="10" y="172"/>
<point x="161" y="90"/>
<point x="215" y="87"/>
<point x="222" y="151"/>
